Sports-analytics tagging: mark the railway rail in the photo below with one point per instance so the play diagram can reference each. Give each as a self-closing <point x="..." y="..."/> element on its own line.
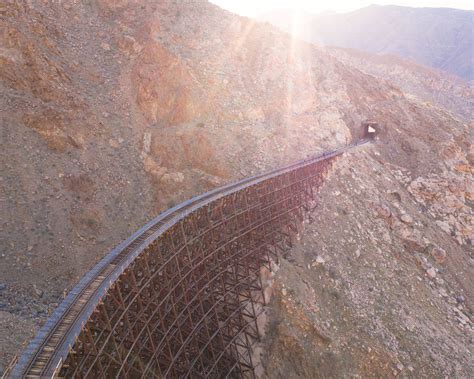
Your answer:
<point x="182" y="296"/>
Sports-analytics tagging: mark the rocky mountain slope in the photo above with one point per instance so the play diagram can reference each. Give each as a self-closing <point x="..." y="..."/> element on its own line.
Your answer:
<point x="438" y="37"/>
<point x="386" y="298"/>
<point x="433" y="87"/>
<point x="113" y="111"/>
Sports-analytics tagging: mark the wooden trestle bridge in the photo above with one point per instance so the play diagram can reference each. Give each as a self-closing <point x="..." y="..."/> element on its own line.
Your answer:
<point x="181" y="297"/>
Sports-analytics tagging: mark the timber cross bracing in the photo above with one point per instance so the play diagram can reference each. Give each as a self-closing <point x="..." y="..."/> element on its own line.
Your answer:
<point x="182" y="296"/>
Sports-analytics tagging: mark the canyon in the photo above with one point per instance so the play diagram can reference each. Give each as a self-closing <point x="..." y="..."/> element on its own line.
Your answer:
<point x="113" y="111"/>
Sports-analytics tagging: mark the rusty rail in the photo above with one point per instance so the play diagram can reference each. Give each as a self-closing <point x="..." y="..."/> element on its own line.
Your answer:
<point x="181" y="297"/>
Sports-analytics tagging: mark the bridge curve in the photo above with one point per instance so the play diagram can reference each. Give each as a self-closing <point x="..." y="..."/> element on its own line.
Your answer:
<point x="182" y="296"/>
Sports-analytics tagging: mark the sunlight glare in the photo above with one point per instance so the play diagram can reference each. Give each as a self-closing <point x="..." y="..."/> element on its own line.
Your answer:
<point x="252" y="8"/>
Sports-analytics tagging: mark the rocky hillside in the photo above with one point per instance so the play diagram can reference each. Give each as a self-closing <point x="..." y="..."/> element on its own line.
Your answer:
<point x="433" y="87"/>
<point x="113" y="111"/>
<point x="438" y="37"/>
<point x="388" y="298"/>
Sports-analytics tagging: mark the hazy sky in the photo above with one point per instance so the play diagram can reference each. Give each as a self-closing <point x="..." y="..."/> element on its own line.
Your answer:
<point x="258" y="7"/>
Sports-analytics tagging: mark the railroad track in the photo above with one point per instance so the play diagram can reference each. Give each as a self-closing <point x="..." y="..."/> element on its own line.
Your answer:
<point x="57" y="343"/>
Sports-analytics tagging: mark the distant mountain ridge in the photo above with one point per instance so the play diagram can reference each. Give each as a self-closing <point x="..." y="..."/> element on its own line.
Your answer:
<point x="442" y="38"/>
